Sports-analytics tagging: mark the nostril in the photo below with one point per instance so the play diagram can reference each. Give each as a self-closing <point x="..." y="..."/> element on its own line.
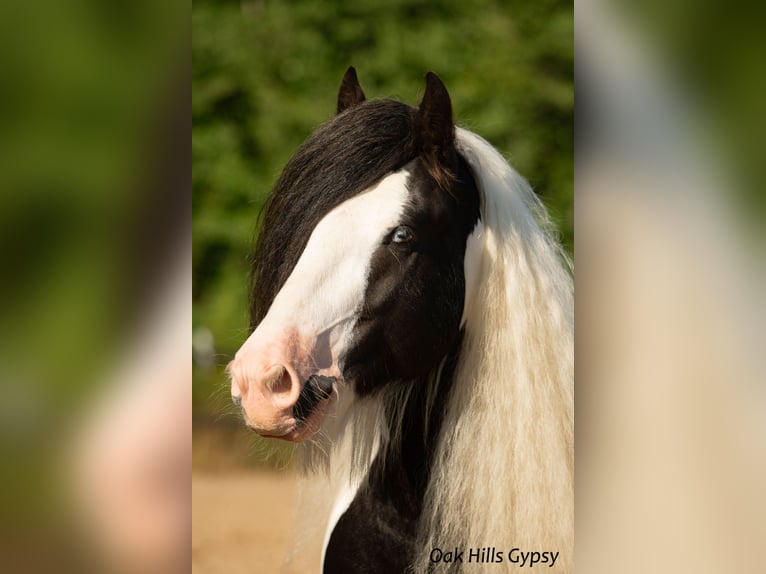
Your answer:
<point x="278" y="381"/>
<point x="237" y="401"/>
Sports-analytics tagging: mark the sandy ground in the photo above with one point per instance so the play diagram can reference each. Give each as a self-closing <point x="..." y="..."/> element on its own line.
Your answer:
<point x="241" y="521"/>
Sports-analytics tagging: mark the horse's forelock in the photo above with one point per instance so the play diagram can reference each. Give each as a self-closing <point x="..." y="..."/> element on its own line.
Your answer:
<point x="345" y="156"/>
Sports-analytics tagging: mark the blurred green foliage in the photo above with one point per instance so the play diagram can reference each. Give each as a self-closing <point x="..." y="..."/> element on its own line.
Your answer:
<point x="266" y="74"/>
<point x="84" y="94"/>
<point x="87" y="131"/>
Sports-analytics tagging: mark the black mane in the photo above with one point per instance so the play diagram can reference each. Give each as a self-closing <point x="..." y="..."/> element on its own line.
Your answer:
<point x="342" y="158"/>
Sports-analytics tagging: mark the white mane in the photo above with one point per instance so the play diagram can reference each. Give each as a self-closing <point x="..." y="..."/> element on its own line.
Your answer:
<point x="503" y="471"/>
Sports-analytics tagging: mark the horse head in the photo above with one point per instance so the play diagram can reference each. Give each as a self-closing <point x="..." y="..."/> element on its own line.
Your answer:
<point x="360" y="272"/>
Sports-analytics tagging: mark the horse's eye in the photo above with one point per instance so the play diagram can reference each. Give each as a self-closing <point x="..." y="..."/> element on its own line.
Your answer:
<point x="402" y="234"/>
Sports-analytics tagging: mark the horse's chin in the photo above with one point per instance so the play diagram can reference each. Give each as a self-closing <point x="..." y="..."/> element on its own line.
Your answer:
<point x="295" y="430"/>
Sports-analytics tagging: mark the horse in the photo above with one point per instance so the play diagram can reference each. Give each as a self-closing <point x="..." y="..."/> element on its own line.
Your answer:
<point x="412" y="328"/>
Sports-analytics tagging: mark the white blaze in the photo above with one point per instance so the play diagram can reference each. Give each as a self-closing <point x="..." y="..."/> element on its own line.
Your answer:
<point x="325" y="290"/>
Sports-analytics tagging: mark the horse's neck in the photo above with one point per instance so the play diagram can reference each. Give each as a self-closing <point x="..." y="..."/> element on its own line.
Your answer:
<point x="401" y="470"/>
<point x="373" y="525"/>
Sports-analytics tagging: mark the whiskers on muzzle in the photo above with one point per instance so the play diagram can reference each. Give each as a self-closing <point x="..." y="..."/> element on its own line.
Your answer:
<point x="317" y="389"/>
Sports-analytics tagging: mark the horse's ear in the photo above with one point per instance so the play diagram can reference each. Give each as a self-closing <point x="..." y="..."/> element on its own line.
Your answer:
<point x="350" y="93"/>
<point x="437" y="130"/>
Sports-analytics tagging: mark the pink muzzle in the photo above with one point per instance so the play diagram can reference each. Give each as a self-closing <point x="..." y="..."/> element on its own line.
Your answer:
<point x="269" y="374"/>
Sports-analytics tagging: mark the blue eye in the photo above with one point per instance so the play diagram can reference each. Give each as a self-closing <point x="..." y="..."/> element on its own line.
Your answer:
<point x="401" y="235"/>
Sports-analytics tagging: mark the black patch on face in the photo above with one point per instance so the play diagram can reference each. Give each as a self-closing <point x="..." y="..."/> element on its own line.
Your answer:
<point x="346" y="156"/>
<point x="416" y="289"/>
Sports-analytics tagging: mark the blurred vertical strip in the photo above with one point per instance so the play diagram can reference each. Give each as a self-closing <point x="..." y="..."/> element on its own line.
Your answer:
<point x="671" y="380"/>
<point x="94" y="254"/>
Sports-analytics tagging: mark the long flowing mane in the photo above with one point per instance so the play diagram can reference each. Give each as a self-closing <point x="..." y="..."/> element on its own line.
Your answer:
<point x="502" y="473"/>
